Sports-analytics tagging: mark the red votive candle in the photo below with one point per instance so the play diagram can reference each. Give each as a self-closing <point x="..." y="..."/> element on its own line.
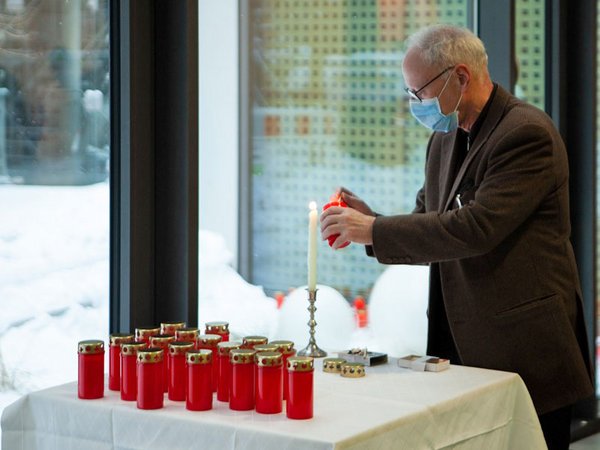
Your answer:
<point x="90" y="373"/>
<point x="187" y="334"/>
<point x="331" y="239"/>
<point x="199" y="393"/>
<point x="269" y="385"/>
<point x="220" y="328"/>
<point x="150" y="375"/>
<point x="129" y="352"/>
<point x="210" y="342"/>
<point x="114" y="359"/>
<point x="251" y="341"/>
<point x="286" y="348"/>
<point x="142" y="334"/>
<point x="170" y="327"/>
<point x="225" y="369"/>
<point x="177" y="370"/>
<point x="241" y="390"/>
<point x="163" y="341"/>
<point x="299" y="403"/>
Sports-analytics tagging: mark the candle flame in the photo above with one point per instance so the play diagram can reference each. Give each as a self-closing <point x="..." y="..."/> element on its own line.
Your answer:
<point x="312" y="205"/>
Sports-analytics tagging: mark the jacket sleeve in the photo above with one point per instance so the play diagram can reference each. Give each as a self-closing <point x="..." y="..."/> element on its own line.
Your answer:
<point x="520" y="173"/>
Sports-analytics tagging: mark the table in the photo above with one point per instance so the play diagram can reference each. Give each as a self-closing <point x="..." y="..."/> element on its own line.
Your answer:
<point x="390" y="408"/>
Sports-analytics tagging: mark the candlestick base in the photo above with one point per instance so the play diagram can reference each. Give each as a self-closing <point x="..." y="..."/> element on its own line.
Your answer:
<point x="312" y="349"/>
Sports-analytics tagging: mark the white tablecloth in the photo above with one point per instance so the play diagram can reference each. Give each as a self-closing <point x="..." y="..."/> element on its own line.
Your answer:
<point x="391" y="408"/>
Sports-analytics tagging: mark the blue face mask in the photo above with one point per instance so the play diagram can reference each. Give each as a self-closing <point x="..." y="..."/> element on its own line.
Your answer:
<point x="429" y="113"/>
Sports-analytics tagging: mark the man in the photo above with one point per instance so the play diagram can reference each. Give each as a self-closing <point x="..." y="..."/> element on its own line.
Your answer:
<point x="492" y="220"/>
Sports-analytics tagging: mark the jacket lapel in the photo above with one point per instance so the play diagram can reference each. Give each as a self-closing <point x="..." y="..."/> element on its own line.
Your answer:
<point x="447" y="162"/>
<point x="494" y="115"/>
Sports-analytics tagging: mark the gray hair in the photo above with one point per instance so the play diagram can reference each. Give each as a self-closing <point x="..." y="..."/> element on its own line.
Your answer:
<point x="443" y="46"/>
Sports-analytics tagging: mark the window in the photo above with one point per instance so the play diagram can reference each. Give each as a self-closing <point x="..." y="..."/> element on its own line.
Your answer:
<point x="54" y="190"/>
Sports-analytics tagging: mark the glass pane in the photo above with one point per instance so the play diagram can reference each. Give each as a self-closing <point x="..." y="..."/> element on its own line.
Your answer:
<point x="54" y="190"/>
<point x="529" y="51"/>
<point x="328" y="110"/>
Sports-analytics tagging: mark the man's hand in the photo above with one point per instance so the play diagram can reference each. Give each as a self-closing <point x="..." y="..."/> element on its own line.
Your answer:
<point x="351" y="225"/>
<point x="353" y="201"/>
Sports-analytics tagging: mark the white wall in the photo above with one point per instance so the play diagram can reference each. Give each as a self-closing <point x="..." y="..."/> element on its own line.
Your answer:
<point x="218" y="118"/>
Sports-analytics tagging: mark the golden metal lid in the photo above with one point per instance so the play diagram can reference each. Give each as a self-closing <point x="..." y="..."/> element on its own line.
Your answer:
<point x="242" y="356"/>
<point x="217" y="327"/>
<point x="353" y="370"/>
<point x="285" y="347"/>
<point x="150" y="355"/>
<point x="333" y="365"/>
<point x="120" y="338"/>
<point x="161" y="340"/>
<point x="187" y="334"/>
<point x="269" y="359"/>
<point x="90" y="347"/>
<point x="202" y="356"/>
<point x="131" y="348"/>
<point x="170" y="327"/>
<point x="146" y="332"/>
<point x="270" y="347"/>
<point x="251" y="341"/>
<point x="225" y="347"/>
<point x="180" y="347"/>
<point x="300" y="364"/>
<point x="210" y="340"/>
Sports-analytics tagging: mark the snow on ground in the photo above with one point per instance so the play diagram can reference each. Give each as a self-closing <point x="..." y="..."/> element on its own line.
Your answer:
<point x="54" y="291"/>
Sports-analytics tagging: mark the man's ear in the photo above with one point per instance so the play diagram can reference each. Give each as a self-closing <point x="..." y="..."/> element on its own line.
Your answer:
<point x="464" y="75"/>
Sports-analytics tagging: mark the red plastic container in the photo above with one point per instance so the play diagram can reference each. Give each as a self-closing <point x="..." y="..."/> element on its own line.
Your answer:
<point x="90" y="375"/>
<point x="225" y="369"/>
<point x="286" y="348"/>
<point x="300" y="396"/>
<point x="177" y="370"/>
<point x="187" y="335"/>
<point x="142" y="334"/>
<point x="331" y="239"/>
<point x="114" y="359"/>
<point x="210" y="342"/>
<point x="220" y="328"/>
<point x="241" y="389"/>
<point x="251" y="341"/>
<point x="269" y="382"/>
<point x="163" y="341"/>
<point x="129" y="352"/>
<point x="171" y="327"/>
<point x="150" y="381"/>
<point x="199" y="393"/>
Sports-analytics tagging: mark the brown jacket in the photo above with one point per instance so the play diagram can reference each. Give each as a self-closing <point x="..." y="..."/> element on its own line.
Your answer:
<point x="508" y="274"/>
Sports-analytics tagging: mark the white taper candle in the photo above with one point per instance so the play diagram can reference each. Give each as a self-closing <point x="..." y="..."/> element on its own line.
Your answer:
<point x="312" y="247"/>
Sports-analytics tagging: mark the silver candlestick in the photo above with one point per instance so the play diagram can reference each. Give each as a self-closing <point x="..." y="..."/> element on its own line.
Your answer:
<point x="312" y="349"/>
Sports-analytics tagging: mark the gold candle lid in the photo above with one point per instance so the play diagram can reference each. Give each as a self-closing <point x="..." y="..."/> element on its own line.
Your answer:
<point x="180" y="347"/>
<point x="187" y="334"/>
<point x="150" y="355"/>
<point x="242" y="356"/>
<point x="132" y="348"/>
<point x="161" y="340"/>
<point x="120" y="338"/>
<point x="217" y="327"/>
<point x="170" y="327"/>
<point x="146" y="332"/>
<point x="209" y="339"/>
<point x="353" y="370"/>
<point x="300" y="364"/>
<point x="251" y="341"/>
<point x="90" y="347"/>
<point x="202" y="356"/>
<point x="270" y="347"/>
<point x="225" y="347"/>
<point x="269" y="359"/>
<point x="285" y="347"/>
<point x="333" y="365"/>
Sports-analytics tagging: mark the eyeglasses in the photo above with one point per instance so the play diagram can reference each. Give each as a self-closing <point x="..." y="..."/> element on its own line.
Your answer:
<point x="414" y="94"/>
